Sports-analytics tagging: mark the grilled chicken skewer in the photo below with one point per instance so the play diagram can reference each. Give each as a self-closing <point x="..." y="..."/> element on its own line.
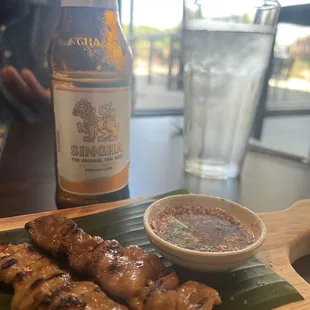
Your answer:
<point x="122" y="272"/>
<point x="40" y="284"/>
<point x="169" y="282"/>
<point x="128" y="273"/>
<point x="166" y="294"/>
<point x="189" y="296"/>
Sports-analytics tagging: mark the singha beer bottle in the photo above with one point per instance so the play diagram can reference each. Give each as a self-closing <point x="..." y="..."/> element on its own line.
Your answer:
<point x="90" y="64"/>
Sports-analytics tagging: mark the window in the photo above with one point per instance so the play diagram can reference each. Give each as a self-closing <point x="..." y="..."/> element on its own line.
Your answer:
<point x="155" y="39"/>
<point x="156" y="44"/>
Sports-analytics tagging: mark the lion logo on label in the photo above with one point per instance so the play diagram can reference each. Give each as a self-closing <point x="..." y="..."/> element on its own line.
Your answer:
<point x="104" y="127"/>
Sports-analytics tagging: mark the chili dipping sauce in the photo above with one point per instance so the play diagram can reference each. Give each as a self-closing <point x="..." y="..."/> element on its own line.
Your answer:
<point x="202" y="229"/>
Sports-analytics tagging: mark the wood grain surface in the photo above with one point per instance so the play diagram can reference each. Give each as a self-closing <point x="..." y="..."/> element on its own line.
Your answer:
<point x="288" y="235"/>
<point x="27" y="176"/>
<point x="19" y="221"/>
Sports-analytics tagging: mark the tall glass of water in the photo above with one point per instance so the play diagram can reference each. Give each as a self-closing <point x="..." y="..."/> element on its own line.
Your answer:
<point x="226" y="48"/>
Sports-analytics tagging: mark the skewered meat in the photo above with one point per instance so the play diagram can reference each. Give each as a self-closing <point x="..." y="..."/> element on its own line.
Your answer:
<point x="166" y="293"/>
<point x="49" y="231"/>
<point x="194" y="295"/>
<point x="14" y="261"/>
<point x="40" y="284"/>
<point x="84" y="295"/>
<point x="76" y="245"/>
<point x="189" y="296"/>
<point x="169" y="282"/>
<point x="128" y="273"/>
<point x="121" y="272"/>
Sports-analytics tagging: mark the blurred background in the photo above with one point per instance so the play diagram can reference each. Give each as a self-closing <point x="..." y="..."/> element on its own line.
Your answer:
<point x="154" y="29"/>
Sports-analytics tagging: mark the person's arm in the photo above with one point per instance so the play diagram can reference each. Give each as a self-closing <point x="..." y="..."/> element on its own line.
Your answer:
<point x="24" y="96"/>
<point x="26" y="87"/>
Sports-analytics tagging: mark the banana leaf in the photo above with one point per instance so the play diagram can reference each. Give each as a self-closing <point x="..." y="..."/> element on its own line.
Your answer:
<point x="252" y="286"/>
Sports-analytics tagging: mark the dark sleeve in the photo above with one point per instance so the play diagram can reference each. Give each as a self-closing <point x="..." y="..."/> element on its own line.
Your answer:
<point x="24" y="40"/>
<point x="44" y="22"/>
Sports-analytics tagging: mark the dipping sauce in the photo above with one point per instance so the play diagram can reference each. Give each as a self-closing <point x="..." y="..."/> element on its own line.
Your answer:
<point x="202" y="229"/>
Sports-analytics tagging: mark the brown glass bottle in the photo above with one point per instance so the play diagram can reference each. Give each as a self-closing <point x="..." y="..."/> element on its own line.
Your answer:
<point x="90" y="63"/>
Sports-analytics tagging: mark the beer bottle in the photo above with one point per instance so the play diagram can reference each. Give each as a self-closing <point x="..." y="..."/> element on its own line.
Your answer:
<point x="90" y="64"/>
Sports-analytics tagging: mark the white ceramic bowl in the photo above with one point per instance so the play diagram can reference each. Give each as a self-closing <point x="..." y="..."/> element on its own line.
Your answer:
<point x="205" y="261"/>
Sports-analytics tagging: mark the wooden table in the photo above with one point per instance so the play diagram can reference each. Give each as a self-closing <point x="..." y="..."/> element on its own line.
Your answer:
<point x="27" y="181"/>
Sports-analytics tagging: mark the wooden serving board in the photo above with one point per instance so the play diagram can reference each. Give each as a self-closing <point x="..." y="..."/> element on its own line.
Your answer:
<point x="288" y="239"/>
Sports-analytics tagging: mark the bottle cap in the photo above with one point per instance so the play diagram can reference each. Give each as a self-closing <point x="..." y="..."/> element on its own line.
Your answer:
<point x="106" y="4"/>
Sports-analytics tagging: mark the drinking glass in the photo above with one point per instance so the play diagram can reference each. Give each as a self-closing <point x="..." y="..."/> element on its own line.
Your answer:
<point x="226" y="47"/>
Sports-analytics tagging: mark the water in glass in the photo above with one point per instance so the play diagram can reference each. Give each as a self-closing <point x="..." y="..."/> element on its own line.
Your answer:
<point x="223" y="77"/>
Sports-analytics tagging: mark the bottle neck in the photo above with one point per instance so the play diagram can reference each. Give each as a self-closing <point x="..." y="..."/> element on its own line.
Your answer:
<point x="87" y="19"/>
<point x="105" y="4"/>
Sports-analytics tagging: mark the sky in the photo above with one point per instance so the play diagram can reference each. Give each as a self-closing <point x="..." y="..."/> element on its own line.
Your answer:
<point x="164" y="14"/>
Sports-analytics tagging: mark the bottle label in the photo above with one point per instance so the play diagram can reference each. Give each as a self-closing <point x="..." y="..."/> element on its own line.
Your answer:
<point x="92" y="139"/>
